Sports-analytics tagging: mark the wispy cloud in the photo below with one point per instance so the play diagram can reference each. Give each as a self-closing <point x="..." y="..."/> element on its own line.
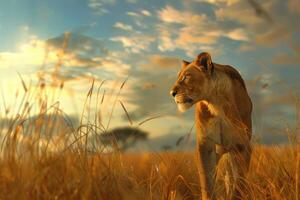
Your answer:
<point x="218" y="2"/>
<point x="146" y="13"/>
<point x="157" y="61"/>
<point x="135" y="43"/>
<point x="98" y="6"/>
<point x="122" y="26"/>
<point x="238" y="34"/>
<point x="133" y="14"/>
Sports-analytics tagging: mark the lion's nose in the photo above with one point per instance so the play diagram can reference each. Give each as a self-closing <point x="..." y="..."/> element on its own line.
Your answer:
<point x="173" y="93"/>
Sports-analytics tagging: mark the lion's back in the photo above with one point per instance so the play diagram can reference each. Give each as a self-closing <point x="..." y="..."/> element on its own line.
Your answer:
<point x="241" y="96"/>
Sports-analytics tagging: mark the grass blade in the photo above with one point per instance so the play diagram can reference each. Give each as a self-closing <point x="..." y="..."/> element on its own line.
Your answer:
<point x="23" y="83"/>
<point x="150" y="118"/>
<point x="127" y="114"/>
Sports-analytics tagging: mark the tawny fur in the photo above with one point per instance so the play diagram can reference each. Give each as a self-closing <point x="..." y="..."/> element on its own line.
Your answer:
<point x="222" y="118"/>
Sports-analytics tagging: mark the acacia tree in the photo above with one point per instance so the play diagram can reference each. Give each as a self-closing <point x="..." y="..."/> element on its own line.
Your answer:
<point x="123" y="137"/>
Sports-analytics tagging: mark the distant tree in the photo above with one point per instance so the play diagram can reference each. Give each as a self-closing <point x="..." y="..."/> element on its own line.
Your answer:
<point x="124" y="137"/>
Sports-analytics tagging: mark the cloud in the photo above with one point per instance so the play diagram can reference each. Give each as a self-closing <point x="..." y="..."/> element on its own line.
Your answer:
<point x="113" y="64"/>
<point x="91" y="55"/>
<point x="240" y="13"/>
<point x="135" y="43"/>
<point x="84" y="57"/>
<point x="190" y="36"/>
<point x="238" y="34"/>
<point x="265" y="23"/>
<point x="98" y="6"/>
<point x="140" y="17"/>
<point x="132" y="14"/>
<point x="142" y="13"/>
<point x="191" y="32"/>
<point x="146" y="13"/>
<point x="122" y="26"/>
<point x="31" y="54"/>
<point x="247" y="22"/>
<point x="172" y="15"/>
<point x="161" y="62"/>
<point x="218" y="2"/>
<point x="166" y="42"/>
<point x="254" y="19"/>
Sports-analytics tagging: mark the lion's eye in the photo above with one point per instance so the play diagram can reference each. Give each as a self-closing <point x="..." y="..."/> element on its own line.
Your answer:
<point x="185" y="77"/>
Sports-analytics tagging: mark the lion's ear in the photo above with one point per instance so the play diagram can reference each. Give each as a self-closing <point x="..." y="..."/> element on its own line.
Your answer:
<point x="204" y="59"/>
<point x="185" y="63"/>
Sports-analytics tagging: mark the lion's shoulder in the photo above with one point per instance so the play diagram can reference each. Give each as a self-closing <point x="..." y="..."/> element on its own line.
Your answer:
<point x="230" y="72"/>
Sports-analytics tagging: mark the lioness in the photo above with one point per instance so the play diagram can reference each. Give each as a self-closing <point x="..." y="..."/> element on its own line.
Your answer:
<point x="222" y="118"/>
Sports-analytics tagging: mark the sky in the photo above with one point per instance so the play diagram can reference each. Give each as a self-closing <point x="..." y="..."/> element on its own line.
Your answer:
<point x="144" y="42"/>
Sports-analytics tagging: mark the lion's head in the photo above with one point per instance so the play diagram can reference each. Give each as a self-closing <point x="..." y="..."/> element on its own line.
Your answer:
<point x="193" y="81"/>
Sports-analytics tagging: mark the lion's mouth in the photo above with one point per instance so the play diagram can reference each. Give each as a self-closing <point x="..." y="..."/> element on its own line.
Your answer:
<point x="184" y="101"/>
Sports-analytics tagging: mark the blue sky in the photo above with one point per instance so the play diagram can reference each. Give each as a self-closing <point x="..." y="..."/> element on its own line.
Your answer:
<point x="146" y="40"/>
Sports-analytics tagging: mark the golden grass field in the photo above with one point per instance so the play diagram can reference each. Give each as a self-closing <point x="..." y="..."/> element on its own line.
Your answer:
<point x="274" y="174"/>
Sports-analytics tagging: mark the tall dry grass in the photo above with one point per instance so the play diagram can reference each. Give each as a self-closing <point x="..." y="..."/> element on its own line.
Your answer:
<point x="274" y="174"/>
<point x="44" y="156"/>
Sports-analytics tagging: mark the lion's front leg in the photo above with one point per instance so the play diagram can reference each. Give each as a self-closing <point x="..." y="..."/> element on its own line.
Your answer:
<point x="207" y="160"/>
<point x="241" y="161"/>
